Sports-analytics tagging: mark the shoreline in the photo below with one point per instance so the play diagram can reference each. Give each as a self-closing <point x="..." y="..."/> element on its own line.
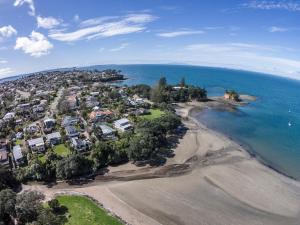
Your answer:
<point x="223" y="185"/>
<point x="245" y="147"/>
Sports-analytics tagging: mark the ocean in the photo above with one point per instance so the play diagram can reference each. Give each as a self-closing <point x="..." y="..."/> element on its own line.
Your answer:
<point x="268" y="127"/>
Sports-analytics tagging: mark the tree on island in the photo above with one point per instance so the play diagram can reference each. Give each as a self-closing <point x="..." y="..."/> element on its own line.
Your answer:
<point x="232" y="95"/>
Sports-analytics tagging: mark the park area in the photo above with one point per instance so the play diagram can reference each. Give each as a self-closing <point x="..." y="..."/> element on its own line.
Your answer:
<point x="81" y="210"/>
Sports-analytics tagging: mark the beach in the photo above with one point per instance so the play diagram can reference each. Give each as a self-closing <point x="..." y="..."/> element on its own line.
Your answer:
<point x="211" y="180"/>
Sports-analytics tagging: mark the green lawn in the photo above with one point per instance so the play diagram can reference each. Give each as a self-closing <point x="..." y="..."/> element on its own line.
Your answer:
<point x="62" y="150"/>
<point x="154" y="113"/>
<point x="82" y="210"/>
<point x="42" y="158"/>
<point x="18" y="142"/>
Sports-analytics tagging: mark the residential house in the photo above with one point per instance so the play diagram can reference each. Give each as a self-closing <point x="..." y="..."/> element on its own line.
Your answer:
<point x="71" y="131"/>
<point x="91" y="102"/>
<point x="9" y="116"/>
<point x="73" y="102"/>
<point x="100" y="115"/>
<point x="79" y="144"/>
<point x="69" y="121"/>
<point x="36" y="145"/>
<point x="18" y="155"/>
<point x="54" y="138"/>
<point x="49" y="125"/>
<point x="107" y="132"/>
<point x="123" y="124"/>
<point x="32" y="128"/>
<point x="19" y="135"/>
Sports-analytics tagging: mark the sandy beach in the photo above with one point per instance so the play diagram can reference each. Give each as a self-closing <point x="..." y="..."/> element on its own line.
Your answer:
<point x="211" y="180"/>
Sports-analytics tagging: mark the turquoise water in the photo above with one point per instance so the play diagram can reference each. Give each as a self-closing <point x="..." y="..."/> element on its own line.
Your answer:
<point x="263" y="126"/>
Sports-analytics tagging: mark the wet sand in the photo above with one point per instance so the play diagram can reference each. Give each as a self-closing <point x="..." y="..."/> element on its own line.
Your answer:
<point x="210" y="181"/>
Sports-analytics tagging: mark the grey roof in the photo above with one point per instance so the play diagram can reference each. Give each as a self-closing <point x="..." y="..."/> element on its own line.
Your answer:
<point x="17" y="152"/>
<point x="121" y="122"/>
<point x="106" y="129"/>
<point x="71" y="130"/>
<point x="53" y="135"/>
<point x="36" y="141"/>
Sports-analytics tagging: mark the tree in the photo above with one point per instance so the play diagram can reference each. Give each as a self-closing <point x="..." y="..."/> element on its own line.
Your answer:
<point x="72" y="166"/>
<point x="7" y="205"/>
<point x="28" y="206"/>
<point x="182" y="82"/>
<point x="162" y="82"/>
<point x="54" y="205"/>
<point x="7" y="179"/>
<point x="47" y="217"/>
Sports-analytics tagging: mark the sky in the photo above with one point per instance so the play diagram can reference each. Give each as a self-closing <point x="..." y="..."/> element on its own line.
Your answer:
<point x="261" y="36"/>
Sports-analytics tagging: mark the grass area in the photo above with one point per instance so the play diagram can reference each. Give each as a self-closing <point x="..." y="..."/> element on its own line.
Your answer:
<point x="82" y="210"/>
<point x="154" y="113"/>
<point x="62" y="150"/>
<point x="18" y="142"/>
<point x="42" y="158"/>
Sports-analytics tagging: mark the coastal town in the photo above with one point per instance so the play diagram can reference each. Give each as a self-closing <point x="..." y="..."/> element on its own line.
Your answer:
<point x="53" y="119"/>
<point x="80" y="145"/>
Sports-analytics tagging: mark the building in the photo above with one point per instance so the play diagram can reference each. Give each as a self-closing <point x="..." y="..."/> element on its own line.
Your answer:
<point x="49" y="123"/>
<point x="71" y="131"/>
<point x="33" y="128"/>
<point x="9" y="116"/>
<point x="123" y="125"/>
<point x="79" y="144"/>
<point x="69" y="121"/>
<point x="107" y="132"/>
<point x="100" y="115"/>
<point x="18" y="155"/>
<point x="36" y="145"/>
<point x="54" y="138"/>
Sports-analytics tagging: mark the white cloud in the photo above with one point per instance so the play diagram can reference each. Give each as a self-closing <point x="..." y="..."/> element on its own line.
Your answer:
<point x="30" y="3"/>
<point x="7" y="31"/>
<point x="106" y="27"/>
<point x="274" y="29"/>
<point x="47" y="22"/>
<point x="5" y="71"/>
<point x="180" y="33"/>
<point x="121" y="47"/>
<point x="245" y="56"/>
<point x="35" y="45"/>
<point x="2" y="61"/>
<point x="275" y="4"/>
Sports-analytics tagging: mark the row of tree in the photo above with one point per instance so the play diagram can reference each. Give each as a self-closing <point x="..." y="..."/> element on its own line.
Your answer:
<point x="165" y="93"/>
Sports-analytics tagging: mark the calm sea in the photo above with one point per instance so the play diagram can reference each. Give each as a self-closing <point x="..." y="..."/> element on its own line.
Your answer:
<point x="270" y="126"/>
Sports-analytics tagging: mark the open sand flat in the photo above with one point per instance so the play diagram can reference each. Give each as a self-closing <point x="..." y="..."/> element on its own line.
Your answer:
<point x="223" y="185"/>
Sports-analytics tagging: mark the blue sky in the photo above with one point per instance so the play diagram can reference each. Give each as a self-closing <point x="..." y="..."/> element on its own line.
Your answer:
<point x="254" y="35"/>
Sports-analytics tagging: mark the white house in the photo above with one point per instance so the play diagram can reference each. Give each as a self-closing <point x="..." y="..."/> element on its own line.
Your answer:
<point x="36" y="145"/>
<point x="123" y="124"/>
<point x="17" y="153"/>
<point x="54" y="138"/>
<point x="79" y="144"/>
<point x="107" y="132"/>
